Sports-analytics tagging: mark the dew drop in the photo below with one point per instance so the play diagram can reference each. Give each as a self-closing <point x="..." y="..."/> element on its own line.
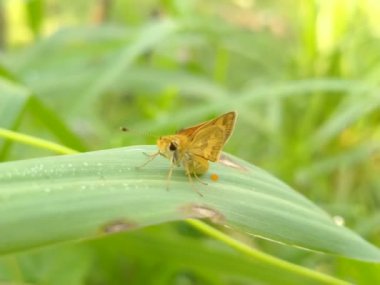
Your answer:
<point x="338" y="220"/>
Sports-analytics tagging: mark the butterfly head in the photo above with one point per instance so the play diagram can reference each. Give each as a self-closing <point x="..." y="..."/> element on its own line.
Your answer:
<point x="168" y="146"/>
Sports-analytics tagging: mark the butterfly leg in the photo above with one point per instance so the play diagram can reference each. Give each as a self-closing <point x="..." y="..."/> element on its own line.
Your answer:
<point x="193" y="185"/>
<point x="151" y="157"/>
<point x="169" y="175"/>
<point x="192" y="182"/>
<point x="199" y="179"/>
<point x="197" y="166"/>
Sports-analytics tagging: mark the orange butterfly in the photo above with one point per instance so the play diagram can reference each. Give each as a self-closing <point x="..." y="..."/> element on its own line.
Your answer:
<point x="195" y="146"/>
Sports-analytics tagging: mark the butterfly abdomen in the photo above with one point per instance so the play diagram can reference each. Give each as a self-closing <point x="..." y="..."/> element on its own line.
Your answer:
<point x="195" y="164"/>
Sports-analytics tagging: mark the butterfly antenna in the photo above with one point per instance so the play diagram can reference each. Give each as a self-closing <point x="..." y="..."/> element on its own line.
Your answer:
<point x="146" y="134"/>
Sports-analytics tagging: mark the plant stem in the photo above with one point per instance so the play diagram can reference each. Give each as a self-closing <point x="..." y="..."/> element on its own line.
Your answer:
<point x="37" y="142"/>
<point x="258" y="255"/>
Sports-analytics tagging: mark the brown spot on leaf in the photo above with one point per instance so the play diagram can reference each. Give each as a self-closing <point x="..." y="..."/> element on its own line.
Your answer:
<point x="227" y="161"/>
<point x="118" y="226"/>
<point x="203" y="212"/>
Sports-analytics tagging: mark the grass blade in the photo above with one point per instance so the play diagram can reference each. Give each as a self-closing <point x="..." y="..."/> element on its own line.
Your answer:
<point x="54" y="199"/>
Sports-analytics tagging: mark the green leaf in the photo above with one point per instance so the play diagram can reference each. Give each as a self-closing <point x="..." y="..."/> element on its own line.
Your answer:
<point x="12" y="102"/>
<point x="206" y="257"/>
<point x="55" y="199"/>
<point x="35" y="14"/>
<point x="349" y="111"/>
<point x="145" y="40"/>
<point x="13" y="99"/>
<point x="55" y="124"/>
<point x="163" y="249"/>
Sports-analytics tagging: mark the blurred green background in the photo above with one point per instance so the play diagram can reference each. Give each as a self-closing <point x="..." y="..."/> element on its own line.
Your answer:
<point x="303" y="75"/>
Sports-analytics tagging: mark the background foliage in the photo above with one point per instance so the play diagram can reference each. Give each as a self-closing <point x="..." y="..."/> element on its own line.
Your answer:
<point x="303" y="75"/>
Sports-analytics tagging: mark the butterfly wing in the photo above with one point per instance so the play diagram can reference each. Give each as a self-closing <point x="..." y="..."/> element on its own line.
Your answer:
<point x="189" y="132"/>
<point x="209" y="139"/>
<point x="230" y="116"/>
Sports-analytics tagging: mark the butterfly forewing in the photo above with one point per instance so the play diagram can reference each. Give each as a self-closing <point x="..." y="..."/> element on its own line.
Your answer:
<point x="189" y="132"/>
<point x="209" y="139"/>
<point x="208" y="143"/>
<point x="228" y="122"/>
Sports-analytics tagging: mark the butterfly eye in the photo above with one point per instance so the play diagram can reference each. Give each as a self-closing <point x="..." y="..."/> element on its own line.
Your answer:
<point x="172" y="147"/>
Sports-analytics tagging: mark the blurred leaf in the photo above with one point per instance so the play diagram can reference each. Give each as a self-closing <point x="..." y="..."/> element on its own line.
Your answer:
<point x="170" y="252"/>
<point x="47" y="266"/>
<point x="35" y="12"/>
<point x="55" y="124"/>
<point x="359" y="272"/>
<point x="86" y="195"/>
<point x="145" y="39"/>
<point x="12" y="102"/>
<point x="370" y="225"/>
<point x="67" y="47"/>
<point x="349" y="111"/>
<point x="13" y="99"/>
<point x="350" y="157"/>
<point x="161" y="250"/>
<point x="193" y="86"/>
<point x="254" y="93"/>
<point x="4" y="72"/>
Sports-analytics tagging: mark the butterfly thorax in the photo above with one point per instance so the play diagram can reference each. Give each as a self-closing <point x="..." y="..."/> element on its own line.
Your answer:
<point x="177" y="149"/>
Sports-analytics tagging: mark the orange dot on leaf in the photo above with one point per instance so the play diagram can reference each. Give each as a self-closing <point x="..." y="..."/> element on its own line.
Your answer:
<point x="214" y="177"/>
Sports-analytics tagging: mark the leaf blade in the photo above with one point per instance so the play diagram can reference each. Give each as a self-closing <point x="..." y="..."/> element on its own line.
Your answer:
<point x="80" y="196"/>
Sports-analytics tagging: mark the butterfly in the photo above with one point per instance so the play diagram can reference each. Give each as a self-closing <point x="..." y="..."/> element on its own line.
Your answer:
<point x="195" y="146"/>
